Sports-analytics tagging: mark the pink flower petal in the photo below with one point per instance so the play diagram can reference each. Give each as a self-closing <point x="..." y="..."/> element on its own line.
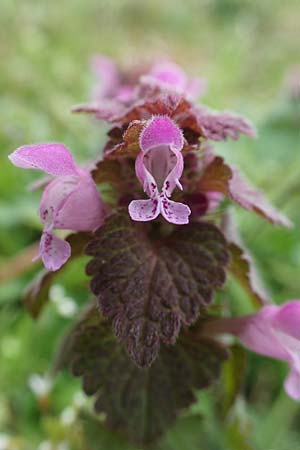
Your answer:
<point x="196" y="88"/>
<point x="256" y="333"/>
<point x="108" y="73"/>
<point x="292" y="384"/>
<point x="144" y="210"/>
<point x="54" y="251"/>
<point x="168" y="76"/>
<point x="53" y="198"/>
<point x="287" y="320"/>
<point x="175" y="212"/>
<point x="83" y="209"/>
<point x="54" y="159"/>
<point x="161" y="130"/>
<point x="172" y="179"/>
<point x="159" y="167"/>
<point x="72" y="203"/>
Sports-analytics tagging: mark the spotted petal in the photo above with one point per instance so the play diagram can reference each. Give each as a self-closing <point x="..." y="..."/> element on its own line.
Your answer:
<point x="54" y="251"/>
<point x="144" y="210"/>
<point x="175" y="212"/>
<point x="72" y="203"/>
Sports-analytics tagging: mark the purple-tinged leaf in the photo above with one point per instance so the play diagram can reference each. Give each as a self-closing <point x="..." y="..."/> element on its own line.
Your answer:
<point x="244" y="271"/>
<point x="218" y="126"/>
<point x="150" y="288"/>
<point x="242" y="266"/>
<point x="140" y="404"/>
<point x="220" y="177"/>
<point x="129" y="146"/>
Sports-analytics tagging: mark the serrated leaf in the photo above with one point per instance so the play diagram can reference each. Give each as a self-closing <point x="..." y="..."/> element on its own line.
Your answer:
<point x="129" y="146"/>
<point x="107" y="171"/>
<point x="148" y="287"/>
<point x="140" y="404"/>
<point x="243" y="269"/>
<point x="170" y="104"/>
<point x="242" y="265"/>
<point x="219" y="126"/>
<point x="220" y="177"/>
<point x="36" y="294"/>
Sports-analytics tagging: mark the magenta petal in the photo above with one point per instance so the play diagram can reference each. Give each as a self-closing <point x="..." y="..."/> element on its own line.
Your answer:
<point x="167" y="75"/>
<point x="142" y="174"/>
<point x="257" y="334"/>
<point x="144" y="210"/>
<point x="196" y="88"/>
<point x="106" y="69"/>
<point x="175" y="212"/>
<point x="287" y="320"/>
<point x="83" y="209"/>
<point x="292" y="384"/>
<point x="54" y="196"/>
<point x="161" y="130"/>
<point x="54" y="251"/>
<point x="170" y="74"/>
<point x="172" y="179"/>
<point x="72" y="203"/>
<point x="54" y="159"/>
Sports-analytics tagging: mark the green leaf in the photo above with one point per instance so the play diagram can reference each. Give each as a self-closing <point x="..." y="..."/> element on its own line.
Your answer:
<point x="98" y="437"/>
<point x="232" y="378"/>
<point x="188" y="433"/>
<point x="150" y="287"/>
<point x="139" y="403"/>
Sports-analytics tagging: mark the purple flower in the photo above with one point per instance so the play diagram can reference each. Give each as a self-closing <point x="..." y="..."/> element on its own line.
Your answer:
<point x="167" y="75"/>
<point x="112" y="85"/>
<point x="159" y="167"/>
<point x="71" y="201"/>
<point x="273" y="331"/>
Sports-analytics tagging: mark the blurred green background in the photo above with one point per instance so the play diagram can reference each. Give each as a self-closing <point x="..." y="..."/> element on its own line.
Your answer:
<point x="245" y="49"/>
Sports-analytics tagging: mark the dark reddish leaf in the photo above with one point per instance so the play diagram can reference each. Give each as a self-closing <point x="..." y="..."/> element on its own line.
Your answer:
<point x="220" y="177"/>
<point x="150" y="288"/>
<point x="170" y="104"/>
<point x="129" y="147"/>
<point x="216" y="176"/>
<point x="107" y="171"/>
<point x="140" y="404"/>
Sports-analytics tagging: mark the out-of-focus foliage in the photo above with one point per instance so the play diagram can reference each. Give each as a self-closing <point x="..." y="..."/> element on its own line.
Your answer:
<point x="245" y="49"/>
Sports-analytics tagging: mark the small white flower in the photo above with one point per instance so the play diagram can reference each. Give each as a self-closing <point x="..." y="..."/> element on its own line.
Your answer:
<point x="68" y="416"/>
<point x="40" y="385"/>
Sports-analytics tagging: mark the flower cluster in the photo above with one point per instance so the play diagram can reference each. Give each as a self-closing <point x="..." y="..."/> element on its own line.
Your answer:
<point x="161" y="166"/>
